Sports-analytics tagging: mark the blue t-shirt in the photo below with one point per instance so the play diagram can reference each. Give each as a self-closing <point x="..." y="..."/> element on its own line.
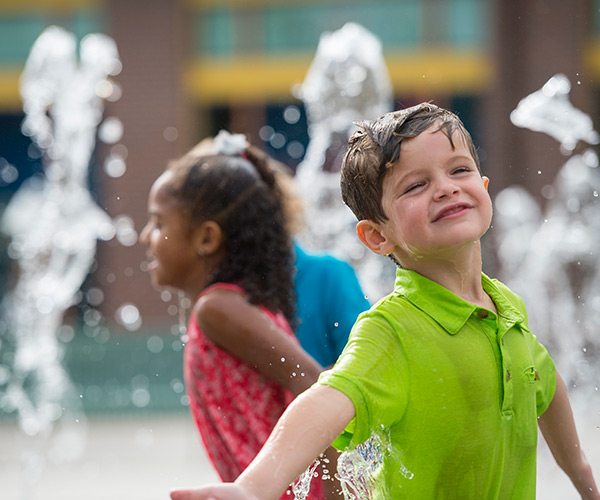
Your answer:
<point x="328" y="300"/>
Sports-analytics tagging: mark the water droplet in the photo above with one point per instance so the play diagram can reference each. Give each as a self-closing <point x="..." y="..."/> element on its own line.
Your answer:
<point x="155" y="344"/>
<point x="277" y="140"/>
<point x="129" y="316"/>
<point x="111" y="130"/>
<point x="266" y="132"/>
<point x="125" y="230"/>
<point x="140" y="397"/>
<point x="291" y="115"/>
<point x="8" y="173"/>
<point x="177" y="385"/>
<point x="171" y="134"/>
<point x="115" y="166"/>
<point x="295" y="149"/>
<point x="94" y="296"/>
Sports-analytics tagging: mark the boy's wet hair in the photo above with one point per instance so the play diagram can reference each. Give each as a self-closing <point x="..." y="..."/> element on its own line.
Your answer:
<point x="243" y="195"/>
<point x="375" y="147"/>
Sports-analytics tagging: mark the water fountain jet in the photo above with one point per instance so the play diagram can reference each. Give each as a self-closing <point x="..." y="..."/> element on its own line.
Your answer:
<point x="53" y="223"/>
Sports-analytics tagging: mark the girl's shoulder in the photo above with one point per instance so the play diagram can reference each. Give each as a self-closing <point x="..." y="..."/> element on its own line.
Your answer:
<point x="231" y="287"/>
<point x="218" y="298"/>
<point x="222" y="303"/>
<point x="225" y="316"/>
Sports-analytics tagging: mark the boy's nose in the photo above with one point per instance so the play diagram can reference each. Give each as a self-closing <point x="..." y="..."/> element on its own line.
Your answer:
<point x="445" y="189"/>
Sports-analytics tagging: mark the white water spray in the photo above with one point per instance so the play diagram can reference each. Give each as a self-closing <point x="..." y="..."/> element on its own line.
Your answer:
<point x="54" y="224"/>
<point x="346" y="82"/>
<point x="550" y="256"/>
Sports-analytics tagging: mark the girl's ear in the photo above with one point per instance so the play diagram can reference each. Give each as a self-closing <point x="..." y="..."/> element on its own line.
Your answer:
<point x="370" y="233"/>
<point x="486" y="182"/>
<point x="208" y="238"/>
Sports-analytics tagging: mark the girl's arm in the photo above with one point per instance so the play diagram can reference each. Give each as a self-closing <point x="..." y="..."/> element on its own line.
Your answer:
<point x="246" y="332"/>
<point x="558" y="428"/>
<point x="307" y="427"/>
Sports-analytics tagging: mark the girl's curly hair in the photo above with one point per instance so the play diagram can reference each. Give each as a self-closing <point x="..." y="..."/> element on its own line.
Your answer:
<point x="243" y="195"/>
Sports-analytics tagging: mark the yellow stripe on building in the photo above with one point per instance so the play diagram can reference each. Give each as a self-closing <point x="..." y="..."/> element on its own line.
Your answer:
<point x="10" y="98"/>
<point x="21" y="6"/>
<point x="439" y="72"/>
<point x="592" y="60"/>
<point x="260" y="78"/>
<point x="205" y="4"/>
<point x="248" y="79"/>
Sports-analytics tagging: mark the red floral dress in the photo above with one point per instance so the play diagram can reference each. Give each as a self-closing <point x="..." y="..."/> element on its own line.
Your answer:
<point x="234" y="406"/>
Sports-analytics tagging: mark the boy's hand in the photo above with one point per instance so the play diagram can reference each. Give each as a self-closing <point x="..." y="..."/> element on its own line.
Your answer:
<point x="225" y="491"/>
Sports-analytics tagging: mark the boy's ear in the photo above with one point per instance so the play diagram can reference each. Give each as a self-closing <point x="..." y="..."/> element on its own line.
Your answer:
<point x="373" y="238"/>
<point x="207" y="238"/>
<point x="486" y="182"/>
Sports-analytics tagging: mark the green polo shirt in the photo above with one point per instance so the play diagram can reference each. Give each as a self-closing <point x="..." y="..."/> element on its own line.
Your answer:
<point x="455" y="389"/>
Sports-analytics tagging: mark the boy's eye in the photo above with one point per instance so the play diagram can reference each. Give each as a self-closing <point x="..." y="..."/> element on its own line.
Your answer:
<point x="460" y="170"/>
<point x="414" y="186"/>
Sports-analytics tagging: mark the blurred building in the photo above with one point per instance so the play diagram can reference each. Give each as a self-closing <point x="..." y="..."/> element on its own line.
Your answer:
<point x="192" y="67"/>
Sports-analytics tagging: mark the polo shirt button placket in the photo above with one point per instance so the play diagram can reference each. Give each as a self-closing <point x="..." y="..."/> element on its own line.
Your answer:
<point x="507" y="384"/>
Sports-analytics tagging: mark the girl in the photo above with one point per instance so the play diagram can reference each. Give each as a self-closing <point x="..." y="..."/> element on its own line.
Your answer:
<point x="216" y="231"/>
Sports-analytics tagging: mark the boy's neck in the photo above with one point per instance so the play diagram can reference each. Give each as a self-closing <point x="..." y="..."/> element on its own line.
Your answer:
<point x="460" y="273"/>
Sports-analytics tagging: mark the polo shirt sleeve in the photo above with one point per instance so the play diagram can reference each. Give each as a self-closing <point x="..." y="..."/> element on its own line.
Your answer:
<point x="372" y="372"/>
<point x="545" y="375"/>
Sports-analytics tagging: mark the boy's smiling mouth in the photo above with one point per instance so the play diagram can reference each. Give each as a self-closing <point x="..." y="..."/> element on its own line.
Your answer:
<point x="456" y="209"/>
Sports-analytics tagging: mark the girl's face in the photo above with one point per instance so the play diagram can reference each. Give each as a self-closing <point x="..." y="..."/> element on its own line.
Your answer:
<point x="173" y="259"/>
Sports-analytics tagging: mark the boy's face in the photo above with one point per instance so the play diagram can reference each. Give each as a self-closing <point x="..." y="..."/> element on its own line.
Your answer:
<point x="435" y="199"/>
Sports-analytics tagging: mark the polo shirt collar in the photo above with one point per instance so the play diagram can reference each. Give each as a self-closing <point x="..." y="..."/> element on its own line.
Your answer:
<point x="447" y="309"/>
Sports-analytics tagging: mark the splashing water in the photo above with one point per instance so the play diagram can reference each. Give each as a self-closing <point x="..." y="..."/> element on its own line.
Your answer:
<point x="346" y="82"/>
<point x="301" y="487"/>
<point x="357" y="469"/>
<point x="53" y="224"/>
<point x="550" y="256"/>
<point x="549" y="110"/>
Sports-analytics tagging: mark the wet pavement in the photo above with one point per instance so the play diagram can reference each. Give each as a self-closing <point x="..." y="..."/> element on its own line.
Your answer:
<point x="135" y="457"/>
<point x="126" y="457"/>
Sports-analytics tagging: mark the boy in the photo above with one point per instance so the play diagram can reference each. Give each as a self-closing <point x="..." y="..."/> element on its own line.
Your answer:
<point x="446" y="364"/>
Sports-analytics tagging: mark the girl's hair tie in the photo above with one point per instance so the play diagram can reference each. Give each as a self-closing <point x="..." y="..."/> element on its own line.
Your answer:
<point x="229" y="144"/>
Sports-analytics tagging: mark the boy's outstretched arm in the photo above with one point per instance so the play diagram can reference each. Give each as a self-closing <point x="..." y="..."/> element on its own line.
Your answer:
<point x="558" y="428"/>
<point x="308" y="426"/>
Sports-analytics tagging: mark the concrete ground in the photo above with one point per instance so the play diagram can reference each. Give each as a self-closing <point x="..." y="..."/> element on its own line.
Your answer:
<point x="137" y="457"/>
<point x="131" y="457"/>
